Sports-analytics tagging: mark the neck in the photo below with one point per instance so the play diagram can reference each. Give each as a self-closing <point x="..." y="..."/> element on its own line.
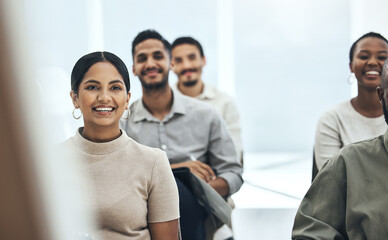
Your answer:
<point x="158" y="102"/>
<point x="192" y="91"/>
<point x="367" y="103"/>
<point x="101" y="134"/>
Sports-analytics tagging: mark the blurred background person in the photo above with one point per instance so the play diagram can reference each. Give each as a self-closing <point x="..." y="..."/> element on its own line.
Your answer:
<point x="361" y="117"/>
<point x="187" y="61"/>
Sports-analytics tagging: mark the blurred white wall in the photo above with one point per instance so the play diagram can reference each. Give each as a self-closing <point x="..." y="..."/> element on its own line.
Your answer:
<point x="363" y="21"/>
<point x="285" y="62"/>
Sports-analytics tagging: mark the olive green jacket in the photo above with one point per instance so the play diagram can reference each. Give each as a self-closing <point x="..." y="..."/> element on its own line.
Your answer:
<point x="349" y="197"/>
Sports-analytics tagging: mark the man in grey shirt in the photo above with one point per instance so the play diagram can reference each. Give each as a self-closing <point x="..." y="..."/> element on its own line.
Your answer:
<point x="192" y="133"/>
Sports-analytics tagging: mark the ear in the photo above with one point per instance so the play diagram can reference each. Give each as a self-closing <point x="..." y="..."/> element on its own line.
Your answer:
<point x="350" y="67"/>
<point x="74" y="98"/>
<point x="133" y="70"/>
<point x="380" y="93"/>
<point x="203" y="61"/>
<point x="127" y="101"/>
<point x="173" y="66"/>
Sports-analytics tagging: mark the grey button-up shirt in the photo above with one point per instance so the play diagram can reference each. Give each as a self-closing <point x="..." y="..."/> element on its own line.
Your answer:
<point x="228" y="109"/>
<point x="192" y="130"/>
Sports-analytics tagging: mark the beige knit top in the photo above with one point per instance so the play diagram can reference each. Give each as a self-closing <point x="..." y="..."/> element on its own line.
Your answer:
<point x="132" y="185"/>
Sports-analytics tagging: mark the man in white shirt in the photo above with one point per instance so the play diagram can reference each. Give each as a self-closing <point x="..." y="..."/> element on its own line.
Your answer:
<point x="187" y="62"/>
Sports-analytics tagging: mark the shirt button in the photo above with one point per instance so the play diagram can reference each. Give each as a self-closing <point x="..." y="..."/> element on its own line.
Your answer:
<point x="161" y="124"/>
<point x="164" y="147"/>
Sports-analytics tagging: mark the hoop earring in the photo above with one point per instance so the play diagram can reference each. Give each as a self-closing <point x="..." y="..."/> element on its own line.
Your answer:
<point x="80" y="114"/>
<point x="351" y="78"/>
<point x="128" y="113"/>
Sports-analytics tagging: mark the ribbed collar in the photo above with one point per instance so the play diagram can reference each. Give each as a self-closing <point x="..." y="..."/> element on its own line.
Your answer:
<point x="376" y="119"/>
<point x="99" y="148"/>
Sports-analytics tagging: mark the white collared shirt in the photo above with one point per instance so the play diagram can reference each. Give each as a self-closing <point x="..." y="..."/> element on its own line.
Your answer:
<point x="227" y="108"/>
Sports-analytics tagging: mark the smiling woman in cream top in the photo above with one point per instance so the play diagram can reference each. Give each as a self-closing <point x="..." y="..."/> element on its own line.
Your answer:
<point x="135" y="195"/>
<point x="360" y="118"/>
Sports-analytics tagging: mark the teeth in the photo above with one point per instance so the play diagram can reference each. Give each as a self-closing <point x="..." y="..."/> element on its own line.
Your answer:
<point x="104" y="109"/>
<point x="372" y="73"/>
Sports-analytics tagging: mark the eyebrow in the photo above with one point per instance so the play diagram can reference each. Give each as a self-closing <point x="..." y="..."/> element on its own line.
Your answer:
<point x="152" y="53"/>
<point x="91" y="81"/>
<point x="116" y="81"/>
<point x="367" y="51"/>
<point x="111" y="82"/>
<point x="140" y="55"/>
<point x="157" y="52"/>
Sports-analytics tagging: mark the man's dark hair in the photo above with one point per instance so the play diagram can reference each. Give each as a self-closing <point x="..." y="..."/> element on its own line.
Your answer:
<point x="150" y="34"/>
<point x="187" y="40"/>
<point x="369" y="34"/>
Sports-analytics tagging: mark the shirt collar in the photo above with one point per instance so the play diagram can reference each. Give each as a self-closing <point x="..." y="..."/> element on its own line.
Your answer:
<point x="178" y="107"/>
<point x="386" y="139"/>
<point x="140" y="112"/>
<point x="207" y="92"/>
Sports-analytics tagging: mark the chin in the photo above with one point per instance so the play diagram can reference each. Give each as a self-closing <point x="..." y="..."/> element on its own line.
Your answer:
<point x="190" y="83"/>
<point x="369" y="86"/>
<point x="106" y="122"/>
<point x="153" y="81"/>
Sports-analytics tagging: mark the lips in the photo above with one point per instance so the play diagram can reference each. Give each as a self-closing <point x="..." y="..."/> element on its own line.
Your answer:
<point x="373" y="73"/>
<point x="151" y="71"/>
<point x="192" y="70"/>
<point x="103" y="109"/>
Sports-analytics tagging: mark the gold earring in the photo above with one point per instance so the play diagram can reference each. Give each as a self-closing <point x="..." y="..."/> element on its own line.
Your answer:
<point x="128" y="113"/>
<point x="351" y="78"/>
<point x="80" y="114"/>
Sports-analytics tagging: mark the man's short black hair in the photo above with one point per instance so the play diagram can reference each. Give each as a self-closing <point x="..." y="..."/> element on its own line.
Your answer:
<point x="366" y="35"/>
<point x="188" y="40"/>
<point x="150" y="34"/>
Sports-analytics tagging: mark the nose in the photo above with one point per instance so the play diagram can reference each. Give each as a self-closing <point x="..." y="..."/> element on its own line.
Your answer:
<point x="373" y="61"/>
<point x="186" y="64"/>
<point x="103" y="96"/>
<point x="150" y="63"/>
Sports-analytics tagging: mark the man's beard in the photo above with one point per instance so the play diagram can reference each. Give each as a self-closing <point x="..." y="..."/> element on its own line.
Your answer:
<point x="190" y="83"/>
<point x="385" y="110"/>
<point x="155" y="86"/>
